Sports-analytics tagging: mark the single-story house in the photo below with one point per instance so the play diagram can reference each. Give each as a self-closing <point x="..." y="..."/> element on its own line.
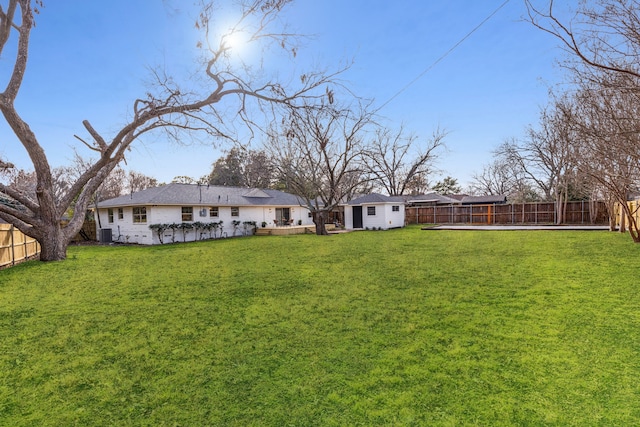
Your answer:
<point x="434" y="199"/>
<point x="431" y="199"/>
<point x="496" y="199"/>
<point x="374" y="211"/>
<point x="127" y="218"/>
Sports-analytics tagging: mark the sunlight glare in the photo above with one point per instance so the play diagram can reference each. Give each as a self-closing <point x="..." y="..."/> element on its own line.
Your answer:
<point x="236" y="41"/>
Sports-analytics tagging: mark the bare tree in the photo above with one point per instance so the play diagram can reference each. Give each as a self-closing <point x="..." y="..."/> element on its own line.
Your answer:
<point x="604" y="35"/>
<point x="137" y="181"/>
<point x="399" y="162"/>
<point x="608" y="121"/>
<point x="550" y="151"/>
<point x="546" y="157"/>
<point x="496" y="178"/>
<point x="25" y="182"/>
<point x="602" y="43"/>
<point x="113" y="185"/>
<point x="318" y="152"/>
<point x="165" y="107"/>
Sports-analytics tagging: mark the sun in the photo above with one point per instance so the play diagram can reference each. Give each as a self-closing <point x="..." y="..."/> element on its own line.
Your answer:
<point x="235" y="40"/>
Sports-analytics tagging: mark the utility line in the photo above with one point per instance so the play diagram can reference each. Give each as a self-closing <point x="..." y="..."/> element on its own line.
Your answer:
<point x="443" y="56"/>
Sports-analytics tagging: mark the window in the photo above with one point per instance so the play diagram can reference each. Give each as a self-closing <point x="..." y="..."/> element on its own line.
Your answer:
<point x="213" y="211"/>
<point x="371" y="210"/>
<point x="235" y="211"/>
<point x="187" y="213"/>
<point x="283" y="216"/>
<point x="140" y="214"/>
<point x="120" y="213"/>
<point x="110" y="215"/>
<point x="395" y="208"/>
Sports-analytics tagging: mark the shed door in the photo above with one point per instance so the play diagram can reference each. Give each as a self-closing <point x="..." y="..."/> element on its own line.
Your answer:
<point x="357" y="216"/>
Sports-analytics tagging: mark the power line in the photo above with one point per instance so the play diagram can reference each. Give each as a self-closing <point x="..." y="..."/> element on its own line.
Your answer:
<point x="454" y="47"/>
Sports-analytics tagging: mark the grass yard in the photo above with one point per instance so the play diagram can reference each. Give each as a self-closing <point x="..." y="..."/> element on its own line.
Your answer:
<point x="403" y="327"/>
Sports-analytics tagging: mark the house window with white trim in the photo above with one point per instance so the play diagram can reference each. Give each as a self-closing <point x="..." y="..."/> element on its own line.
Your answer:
<point x="395" y="208"/>
<point x="110" y="215"/>
<point x="187" y="213"/>
<point x="120" y="213"/>
<point x="371" y="210"/>
<point x="140" y="215"/>
<point x="213" y="212"/>
<point x="235" y="211"/>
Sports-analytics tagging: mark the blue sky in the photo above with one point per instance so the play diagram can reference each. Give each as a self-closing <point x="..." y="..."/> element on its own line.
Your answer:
<point x="90" y="62"/>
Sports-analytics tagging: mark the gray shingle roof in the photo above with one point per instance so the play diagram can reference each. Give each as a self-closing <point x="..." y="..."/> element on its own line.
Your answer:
<point x="468" y="200"/>
<point x="203" y="195"/>
<point x="371" y="199"/>
<point x="432" y="198"/>
<point x="427" y="198"/>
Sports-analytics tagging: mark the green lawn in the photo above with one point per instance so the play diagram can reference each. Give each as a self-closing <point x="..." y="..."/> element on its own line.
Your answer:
<point x="403" y="327"/>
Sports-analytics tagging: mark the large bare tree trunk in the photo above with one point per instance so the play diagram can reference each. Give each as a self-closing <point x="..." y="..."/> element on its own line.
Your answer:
<point x="320" y="219"/>
<point x="54" y="243"/>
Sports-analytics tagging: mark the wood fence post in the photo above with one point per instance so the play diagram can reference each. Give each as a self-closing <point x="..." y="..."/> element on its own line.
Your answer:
<point x="13" y="247"/>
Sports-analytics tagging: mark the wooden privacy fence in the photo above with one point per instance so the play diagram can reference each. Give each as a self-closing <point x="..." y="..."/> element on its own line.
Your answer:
<point x="15" y="246"/>
<point x="582" y="212"/>
<point x="621" y="221"/>
<point x="87" y="232"/>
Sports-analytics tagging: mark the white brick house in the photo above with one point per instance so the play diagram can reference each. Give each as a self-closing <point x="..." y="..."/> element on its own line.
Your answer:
<point x="128" y="217"/>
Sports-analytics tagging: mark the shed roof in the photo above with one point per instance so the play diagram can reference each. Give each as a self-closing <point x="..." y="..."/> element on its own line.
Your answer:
<point x="374" y="198"/>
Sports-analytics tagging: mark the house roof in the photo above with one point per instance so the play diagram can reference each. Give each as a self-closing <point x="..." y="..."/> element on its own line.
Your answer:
<point x="432" y="198"/>
<point x="203" y="195"/>
<point x="472" y="200"/>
